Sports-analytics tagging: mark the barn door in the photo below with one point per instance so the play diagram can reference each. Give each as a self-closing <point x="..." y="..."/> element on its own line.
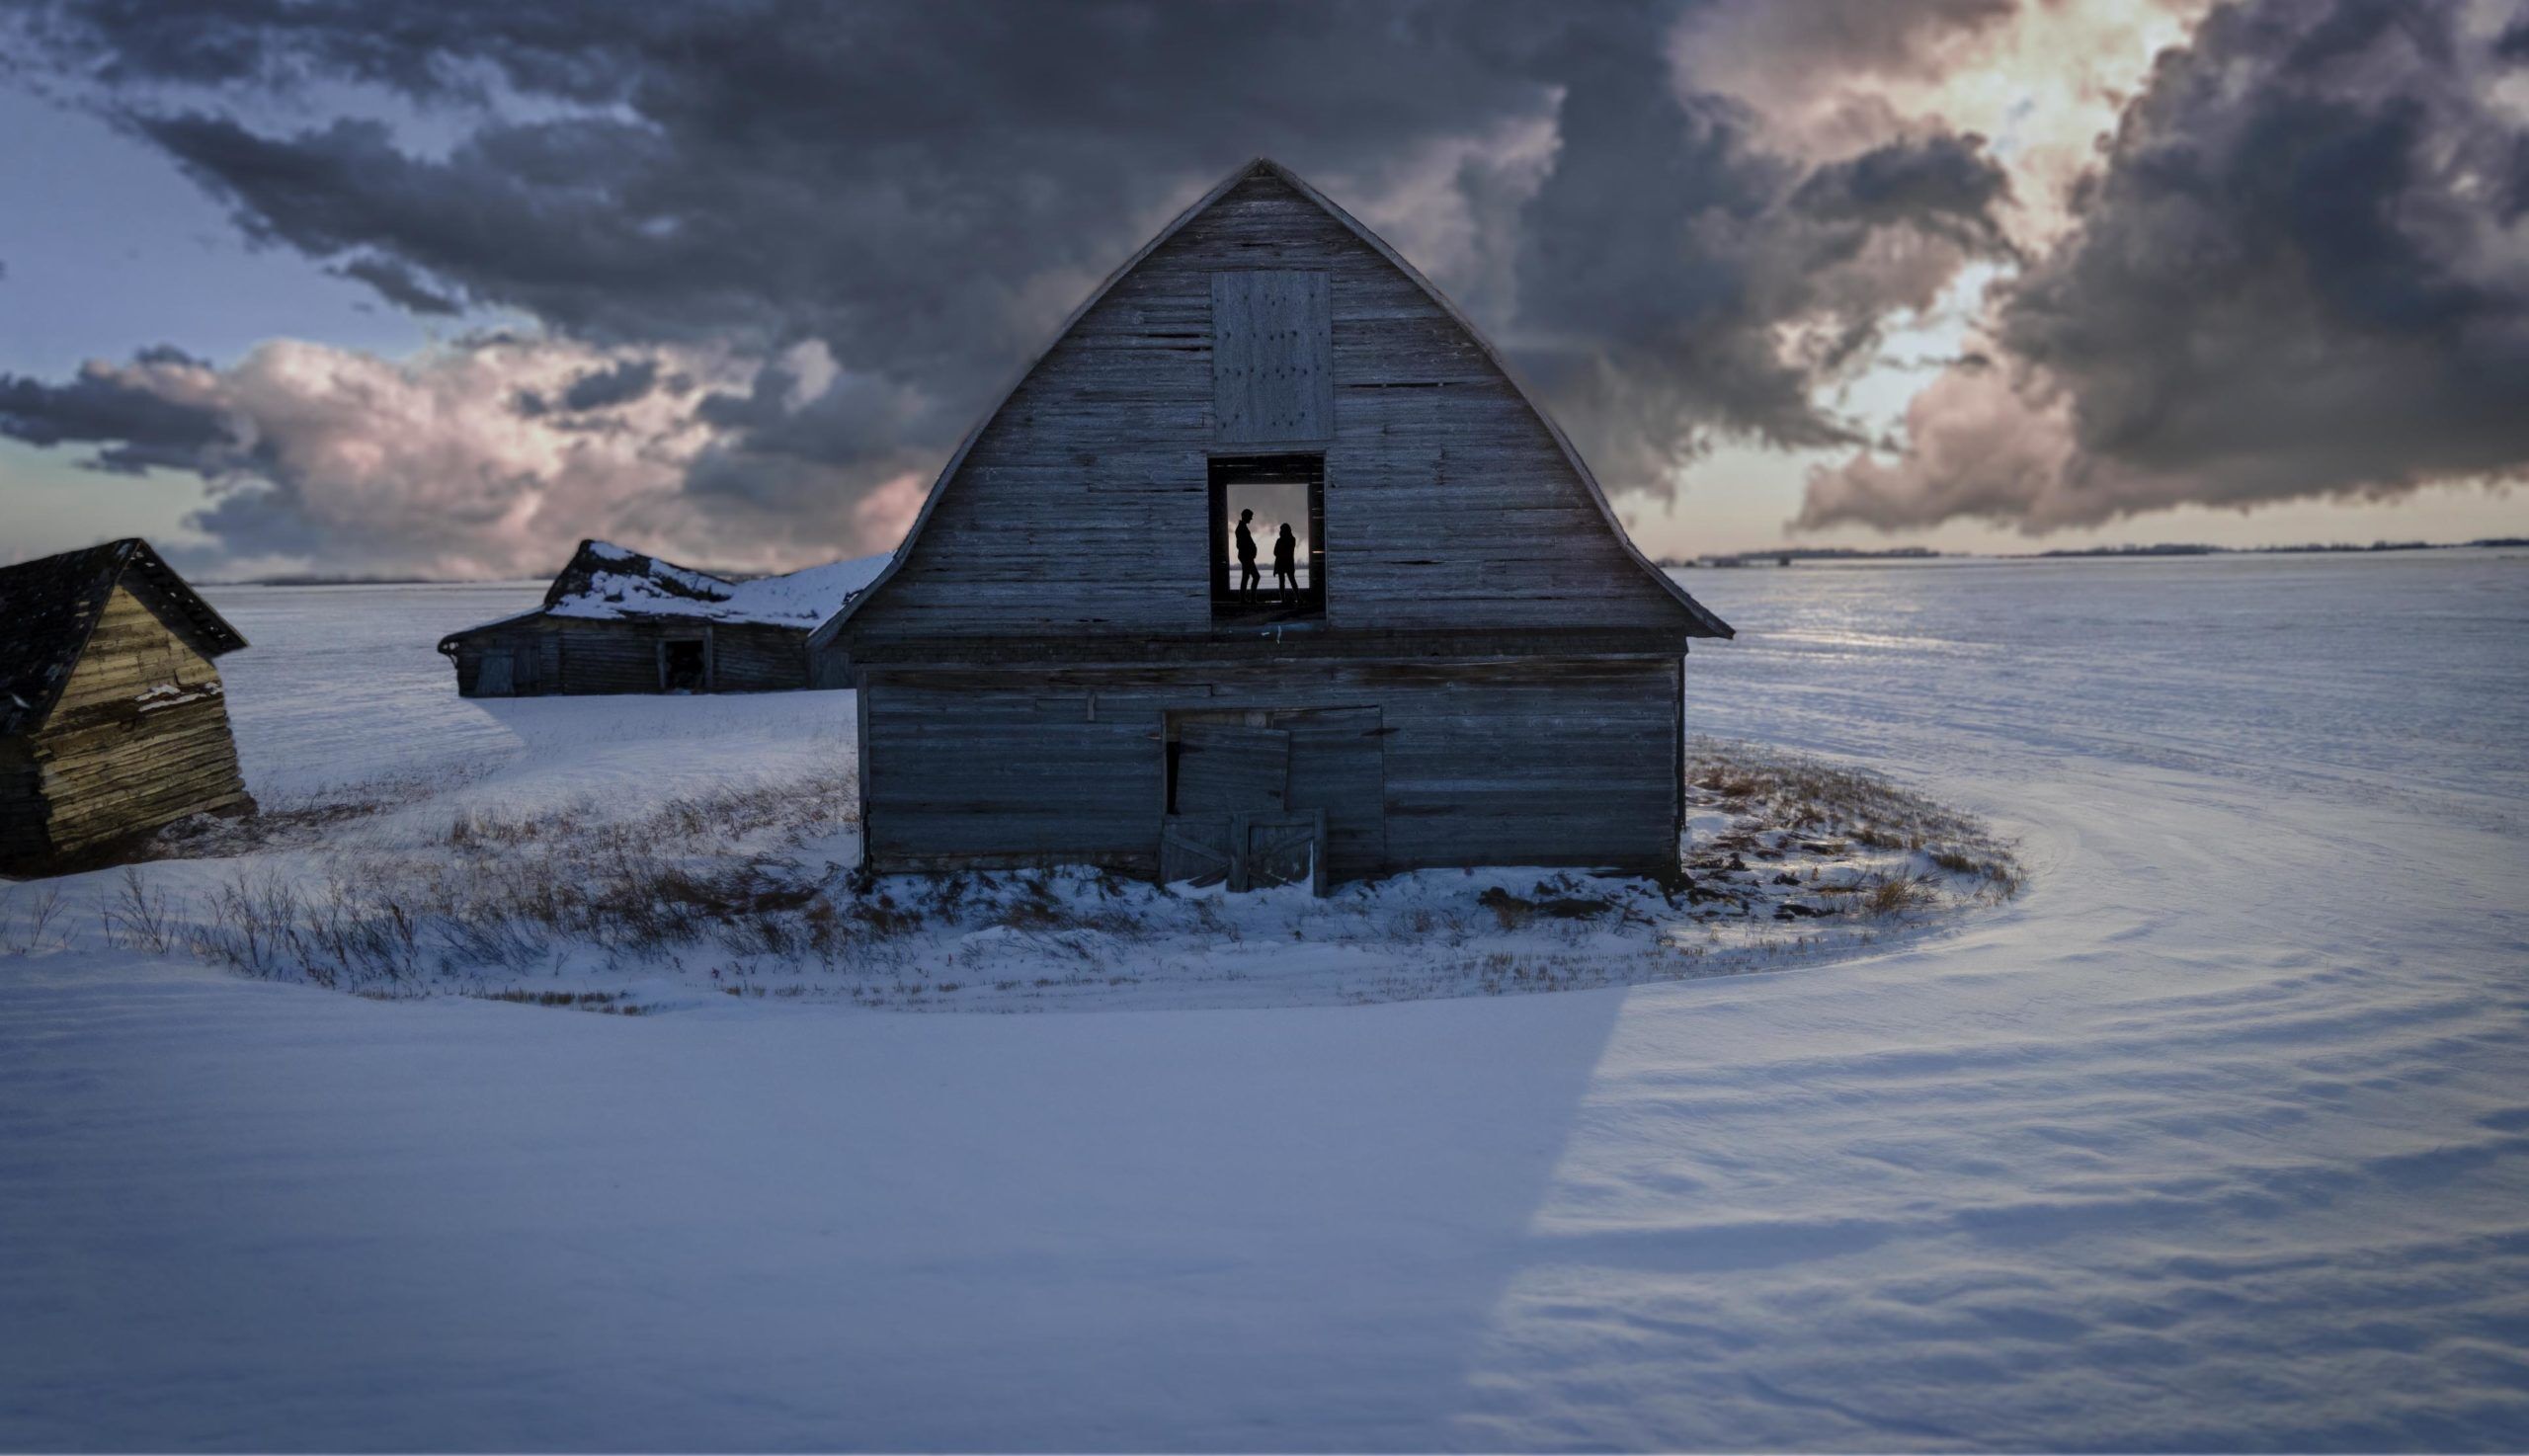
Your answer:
<point x="1338" y="765"/>
<point x="1195" y="850"/>
<point x="1278" y="849"/>
<point x="1232" y="769"/>
<point x="495" y="677"/>
<point x="1220" y="772"/>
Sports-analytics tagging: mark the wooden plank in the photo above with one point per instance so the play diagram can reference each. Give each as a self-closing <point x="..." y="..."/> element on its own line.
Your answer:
<point x="1535" y="760"/>
<point x="1224" y="767"/>
<point x="1273" y="850"/>
<point x="1272" y="370"/>
<point x="1195" y="850"/>
<point x="1339" y="768"/>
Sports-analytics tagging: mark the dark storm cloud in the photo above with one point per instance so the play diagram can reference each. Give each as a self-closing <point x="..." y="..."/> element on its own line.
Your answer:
<point x="2291" y="276"/>
<point x="131" y="425"/>
<point x="1943" y="183"/>
<point x="619" y="383"/>
<point x="1665" y="251"/>
<point x="921" y="190"/>
<point x="400" y="286"/>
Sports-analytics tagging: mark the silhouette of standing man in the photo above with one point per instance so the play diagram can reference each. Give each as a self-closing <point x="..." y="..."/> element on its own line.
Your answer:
<point x="1286" y="579"/>
<point x="1248" y="577"/>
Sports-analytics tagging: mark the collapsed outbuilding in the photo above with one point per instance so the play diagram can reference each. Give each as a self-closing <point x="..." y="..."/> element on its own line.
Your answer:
<point x="617" y="621"/>
<point x="1460" y="660"/>
<point x="113" y="718"/>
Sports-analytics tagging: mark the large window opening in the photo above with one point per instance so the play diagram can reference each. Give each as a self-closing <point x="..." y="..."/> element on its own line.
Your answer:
<point x="1276" y="571"/>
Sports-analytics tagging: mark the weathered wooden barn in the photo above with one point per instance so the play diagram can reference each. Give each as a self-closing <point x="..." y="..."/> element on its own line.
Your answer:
<point x="113" y="720"/>
<point x="617" y="621"/>
<point x="1460" y="658"/>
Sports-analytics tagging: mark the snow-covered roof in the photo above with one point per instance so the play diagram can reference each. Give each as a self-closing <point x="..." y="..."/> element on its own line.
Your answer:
<point x="611" y="582"/>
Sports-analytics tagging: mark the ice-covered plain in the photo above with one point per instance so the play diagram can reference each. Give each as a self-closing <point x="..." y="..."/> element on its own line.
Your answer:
<point x="2216" y="1136"/>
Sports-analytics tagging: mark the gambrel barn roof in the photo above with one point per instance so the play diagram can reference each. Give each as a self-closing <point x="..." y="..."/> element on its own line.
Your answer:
<point x="49" y="609"/>
<point x="1261" y="182"/>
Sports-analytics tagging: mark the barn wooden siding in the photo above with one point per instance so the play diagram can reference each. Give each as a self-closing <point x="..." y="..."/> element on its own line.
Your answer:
<point x="1527" y="761"/>
<point x="138" y="739"/>
<point x="1082" y="508"/>
<point x="559" y="655"/>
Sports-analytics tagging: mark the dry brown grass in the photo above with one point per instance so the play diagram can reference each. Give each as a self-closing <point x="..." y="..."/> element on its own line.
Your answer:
<point x="1803" y="806"/>
<point x="507" y="894"/>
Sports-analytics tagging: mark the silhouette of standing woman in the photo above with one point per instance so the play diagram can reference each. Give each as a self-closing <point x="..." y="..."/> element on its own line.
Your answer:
<point x="1286" y="579"/>
<point x="1248" y="579"/>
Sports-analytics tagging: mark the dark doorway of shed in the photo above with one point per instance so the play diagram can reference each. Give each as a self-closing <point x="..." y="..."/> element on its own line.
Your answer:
<point x="1268" y="494"/>
<point x="684" y="667"/>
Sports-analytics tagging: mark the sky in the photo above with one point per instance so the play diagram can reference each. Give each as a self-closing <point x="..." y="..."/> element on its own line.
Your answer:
<point x="363" y="288"/>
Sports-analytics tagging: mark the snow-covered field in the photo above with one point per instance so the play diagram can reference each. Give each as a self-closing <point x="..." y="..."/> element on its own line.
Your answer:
<point x="2216" y="1136"/>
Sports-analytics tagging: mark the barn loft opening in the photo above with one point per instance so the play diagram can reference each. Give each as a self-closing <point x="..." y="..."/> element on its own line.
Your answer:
<point x="1266" y="494"/>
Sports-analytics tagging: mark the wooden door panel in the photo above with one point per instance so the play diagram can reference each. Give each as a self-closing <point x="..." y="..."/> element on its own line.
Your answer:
<point x="1195" y="850"/>
<point x="1230" y="769"/>
<point x="1278" y="849"/>
<point x="1338" y="764"/>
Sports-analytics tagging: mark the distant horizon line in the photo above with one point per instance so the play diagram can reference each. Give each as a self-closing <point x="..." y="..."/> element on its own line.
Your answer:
<point x="2061" y="553"/>
<point x="1704" y="559"/>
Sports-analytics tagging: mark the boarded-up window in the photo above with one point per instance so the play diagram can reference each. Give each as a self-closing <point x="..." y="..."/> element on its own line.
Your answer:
<point x="1273" y="357"/>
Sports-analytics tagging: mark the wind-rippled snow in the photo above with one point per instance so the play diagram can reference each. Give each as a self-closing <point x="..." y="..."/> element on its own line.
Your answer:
<point x="2218" y="1137"/>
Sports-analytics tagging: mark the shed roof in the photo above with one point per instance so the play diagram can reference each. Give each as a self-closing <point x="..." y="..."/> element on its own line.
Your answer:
<point x="605" y="582"/>
<point x="49" y="609"/>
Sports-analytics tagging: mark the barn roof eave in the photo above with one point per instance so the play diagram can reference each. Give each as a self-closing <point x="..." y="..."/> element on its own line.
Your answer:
<point x="1701" y="621"/>
<point x="947" y="472"/>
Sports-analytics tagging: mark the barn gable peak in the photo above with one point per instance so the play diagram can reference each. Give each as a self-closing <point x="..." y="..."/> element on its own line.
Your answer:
<point x="1258" y="283"/>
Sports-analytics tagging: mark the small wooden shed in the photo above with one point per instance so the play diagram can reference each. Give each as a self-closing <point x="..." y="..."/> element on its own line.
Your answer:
<point x="1458" y="658"/>
<point x="113" y="719"/>
<point x="617" y="621"/>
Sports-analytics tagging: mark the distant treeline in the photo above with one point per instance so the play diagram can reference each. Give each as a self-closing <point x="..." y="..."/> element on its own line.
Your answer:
<point x="327" y="580"/>
<point x="1788" y="555"/>
<point x="2324" y="548"/>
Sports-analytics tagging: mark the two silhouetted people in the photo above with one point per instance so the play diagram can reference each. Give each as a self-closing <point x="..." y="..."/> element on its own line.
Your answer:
<point x="1286" y="547"/>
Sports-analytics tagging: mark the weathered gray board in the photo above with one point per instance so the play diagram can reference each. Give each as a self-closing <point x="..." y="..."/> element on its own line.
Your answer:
<point x="1533" y="762"/>
<point x="1273" y="359"/>
<point x="1278" y="849"/>
<point x="1243" y="850"/>
<point x="1232" y="769"/>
